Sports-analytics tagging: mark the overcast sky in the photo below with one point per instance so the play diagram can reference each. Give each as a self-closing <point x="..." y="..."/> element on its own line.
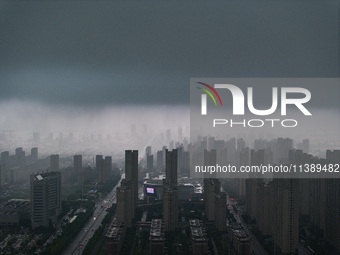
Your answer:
<point x="103" y="53"/>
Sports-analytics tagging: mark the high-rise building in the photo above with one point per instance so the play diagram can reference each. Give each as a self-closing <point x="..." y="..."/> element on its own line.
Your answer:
<point x="179" y="134"/>
<point x="34" y="154"/>
<point x="168" y="136"/>
<point x="131" y="172"/>
<point x="186" y="164"/>
<point x="251" y="187"/>
<point x="5" y="166"/>
<point x="160" y="160"/>
<point x="170" y="192"/>
<point x="212" y="187"/>
<point x="107" y="169"/>
<point x="332" y="233"/>
<point x="125" y="209"/>
<point x="305" y="145"/>
<point x="170" y="205"/>
<point x="127" y="193"/>
<point x="100" y="167"/>
<point x="221" y="211"/>
<point x="78" y="168"/>
<point x="286" y="215"/>
<point x="171" y="166"/>
<point x="264" y="208"/>
<point x="333" y="156"/>
<point x="149" y="163"/>
<point x="99" y="161"/>
<point x="180" y="151"/>
<point x="317" y="203"/>
<point x="45" y="198"/>
<point x="281" y="149"/>
<point x="1" y="178"/>
<point x="148" y="150"/>
<point x="54" y="162"/>
<point x="20" y="157"/>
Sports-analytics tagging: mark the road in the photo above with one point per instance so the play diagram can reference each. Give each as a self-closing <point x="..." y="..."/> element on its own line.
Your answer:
<point x="256" y="246"/>
<point x="80" y="241"/>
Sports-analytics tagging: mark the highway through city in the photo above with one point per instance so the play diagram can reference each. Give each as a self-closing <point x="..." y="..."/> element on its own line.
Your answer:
<point x="78" y="244"/>
<point x="256" y="246"/>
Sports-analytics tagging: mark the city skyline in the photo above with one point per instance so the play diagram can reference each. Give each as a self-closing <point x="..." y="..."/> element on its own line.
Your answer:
<point x="99" y="145"/>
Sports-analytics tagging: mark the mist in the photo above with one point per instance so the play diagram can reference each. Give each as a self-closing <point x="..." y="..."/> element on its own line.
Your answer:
<point x="69" y="130"/>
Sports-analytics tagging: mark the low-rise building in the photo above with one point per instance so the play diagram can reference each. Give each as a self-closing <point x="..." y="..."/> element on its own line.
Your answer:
<point x="156" y="237"/>
<point x="199" y="238"/>
<point x="115" y="237"/>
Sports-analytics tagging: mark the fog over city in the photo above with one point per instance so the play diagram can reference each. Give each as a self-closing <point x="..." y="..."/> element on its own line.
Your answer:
<point x="72" y="129"/>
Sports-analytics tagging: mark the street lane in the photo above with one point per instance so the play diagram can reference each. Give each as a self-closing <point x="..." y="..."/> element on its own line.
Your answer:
<point x="256" y="246"/>
<point x="80" y="241"/>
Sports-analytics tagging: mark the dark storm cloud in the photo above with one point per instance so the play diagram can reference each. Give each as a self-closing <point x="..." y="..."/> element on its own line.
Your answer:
<point x="99" y="53"/>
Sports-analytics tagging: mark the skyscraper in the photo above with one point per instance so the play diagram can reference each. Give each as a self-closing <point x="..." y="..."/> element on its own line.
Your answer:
<point x="286" y="215"/>
<point x="160" y="160"/>
<point x="212" y="188"/>
<point x="125" y="203"/>
<point x="170" y="205"/>
<point x="220" y="211"/>
<point x="131" y="172"/>
<point x="149" y="163"/>
<point x="332" y="232"/>
<point x="107" y="167"/>
<point x="54" y="162"/>
<point x="100" y="167"/>
<point x="45" y="198"/>
<point x="5" y="166"/>
<point x="148" y="150"/>
<point x="171" y="166"/>
<point x="264" y="208"/>
<point x="34" y="154"/>
<point x="212" y="185"/>
<point x="78" y="166"/>
<point x="170" y="192"/>
<point x="127" y="193"/>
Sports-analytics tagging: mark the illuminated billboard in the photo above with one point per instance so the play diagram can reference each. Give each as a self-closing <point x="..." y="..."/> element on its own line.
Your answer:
<point x="150" y="190"/>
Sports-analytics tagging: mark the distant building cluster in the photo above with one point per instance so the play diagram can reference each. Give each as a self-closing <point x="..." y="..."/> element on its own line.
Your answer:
<point x="18" y="167"/>
<point x="14" y="211"/>
<point x="275" y="206"/>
